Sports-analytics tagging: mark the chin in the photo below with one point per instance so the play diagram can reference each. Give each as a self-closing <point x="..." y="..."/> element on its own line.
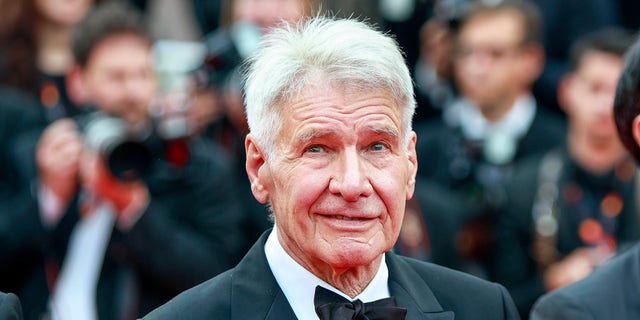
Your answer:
<point x="348" y="255"/>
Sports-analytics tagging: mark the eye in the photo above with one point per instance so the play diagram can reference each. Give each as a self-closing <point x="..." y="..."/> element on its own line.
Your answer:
<point x="378" y="146"/>
<point x="315" y="149"/>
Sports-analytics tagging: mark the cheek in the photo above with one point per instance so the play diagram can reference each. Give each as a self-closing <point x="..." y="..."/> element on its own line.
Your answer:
<point x="106" y="98"/>
<point x="150" y="89"/>
<point x="101" y="87"/>
<point x="305" y="189"/>
<point x="293" y="198"/>
<point x="395" y="207"/>
<point x="505" y="78"/>
<point x="293" y="187"/>
<point x="391" y="188"/>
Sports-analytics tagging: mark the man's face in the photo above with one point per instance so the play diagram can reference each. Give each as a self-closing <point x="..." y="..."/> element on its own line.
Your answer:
<point x="339" y="177"/>
<point x="588" y="95"/>
<point x="490" y="61"/>
<point x="118" y="77"/>
<point x="64" y="12"/>
<point x="269" y="13"/>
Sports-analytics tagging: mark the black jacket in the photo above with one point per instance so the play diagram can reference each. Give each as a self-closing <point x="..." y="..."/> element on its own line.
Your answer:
<point x="611" y="292"/>
<point x="428" y="291"/>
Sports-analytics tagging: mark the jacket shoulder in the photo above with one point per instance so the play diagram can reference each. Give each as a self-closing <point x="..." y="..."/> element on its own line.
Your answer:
<point x="441" y="279"/>
<point x="468" y="296"/>
<point x="212" y="297"/>
<point x="611" y="291"/>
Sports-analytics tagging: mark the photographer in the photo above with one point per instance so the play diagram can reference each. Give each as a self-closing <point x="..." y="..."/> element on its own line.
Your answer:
<point x="494" y="123"/>
<point x="119" y="248"/>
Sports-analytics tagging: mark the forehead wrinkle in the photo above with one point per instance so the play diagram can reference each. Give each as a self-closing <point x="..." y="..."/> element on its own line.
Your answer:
<point x="312" y="133"/>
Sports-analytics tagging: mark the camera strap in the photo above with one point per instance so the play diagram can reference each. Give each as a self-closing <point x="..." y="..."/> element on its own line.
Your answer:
<point x="545" y="210"/>
<point x="595" y="229"/>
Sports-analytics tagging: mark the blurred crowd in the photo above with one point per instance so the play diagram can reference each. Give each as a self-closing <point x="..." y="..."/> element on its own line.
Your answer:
<point x="122" y="171"/>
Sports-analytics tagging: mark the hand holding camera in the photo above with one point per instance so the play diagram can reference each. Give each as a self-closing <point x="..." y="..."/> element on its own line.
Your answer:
<point x="129" y="198"/>
<point x="68" y="159"/>
<point x="57" y="157"/>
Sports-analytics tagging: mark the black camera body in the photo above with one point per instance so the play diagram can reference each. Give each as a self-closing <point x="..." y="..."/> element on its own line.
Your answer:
<point x="129" y="152"/>
<point x="226" y="49"/>
<point x="451" y="12"/>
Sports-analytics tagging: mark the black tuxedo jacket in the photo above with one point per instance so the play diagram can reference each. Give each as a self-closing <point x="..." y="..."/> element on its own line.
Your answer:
<point x="10" y="307"/>
<point x="249" y="291"/>
<point x="611" y="292"/>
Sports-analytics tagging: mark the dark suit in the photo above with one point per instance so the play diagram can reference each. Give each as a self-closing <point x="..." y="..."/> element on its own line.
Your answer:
<point x="21" y="233"/>
<point x="249" y="291"/>
<point x="469" y="189"/>
<point x="611" y="292"/>
<point x="439" y="144"/>
<point x="10" y="307"/>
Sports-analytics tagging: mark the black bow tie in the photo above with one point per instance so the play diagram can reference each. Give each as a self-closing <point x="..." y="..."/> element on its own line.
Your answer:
<point x="332" y="306"/>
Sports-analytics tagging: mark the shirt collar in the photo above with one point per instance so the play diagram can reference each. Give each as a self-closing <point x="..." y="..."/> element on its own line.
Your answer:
<point x="514" y="123"/>
<point x="298" y="284"/>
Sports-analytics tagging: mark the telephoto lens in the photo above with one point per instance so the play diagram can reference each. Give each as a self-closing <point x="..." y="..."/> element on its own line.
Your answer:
<point x="127" y="155"/>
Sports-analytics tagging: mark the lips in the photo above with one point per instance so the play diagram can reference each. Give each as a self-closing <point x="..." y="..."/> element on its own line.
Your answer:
<point x="348" y="218"/>
<point x="348" y="221"/>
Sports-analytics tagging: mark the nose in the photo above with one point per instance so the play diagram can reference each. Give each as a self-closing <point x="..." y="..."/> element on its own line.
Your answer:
<point x="135" y="87"/>
<point x="350" y="179"/>
<point x="477" y="64"/>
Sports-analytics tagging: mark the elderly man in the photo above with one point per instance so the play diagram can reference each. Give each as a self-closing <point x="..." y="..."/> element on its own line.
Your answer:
<point x="329" y="106"/>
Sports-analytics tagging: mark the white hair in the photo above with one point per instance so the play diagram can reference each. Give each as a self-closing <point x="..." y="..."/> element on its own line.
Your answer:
<point x="343" y="52"/>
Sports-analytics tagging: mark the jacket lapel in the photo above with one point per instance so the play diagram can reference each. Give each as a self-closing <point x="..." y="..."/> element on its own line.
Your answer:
<point x="280" y="309"/>
<point x="255" y="292"/>
<point x="412" y="293"/>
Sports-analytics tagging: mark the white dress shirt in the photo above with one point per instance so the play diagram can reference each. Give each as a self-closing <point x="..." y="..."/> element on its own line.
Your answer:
<point x="74" y="295"/>
<point x="299" y="285"/>
<point x="500" y="137"/>
<point x="516" y="122"/>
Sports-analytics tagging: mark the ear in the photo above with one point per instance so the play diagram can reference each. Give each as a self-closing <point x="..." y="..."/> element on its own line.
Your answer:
<point x="534" y="58"/>
<point x="412" y="165"/>
<point x="635" y="129"/>
<point x="257" y="170"/>
<point x="564" y="92"/>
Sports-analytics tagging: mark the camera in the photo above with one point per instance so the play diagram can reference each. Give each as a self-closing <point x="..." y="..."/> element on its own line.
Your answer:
<point x="126" y="153"/>
<point x="130" y="152"/>
<point x="226" y="49"/>
<point x="451" y="12"/>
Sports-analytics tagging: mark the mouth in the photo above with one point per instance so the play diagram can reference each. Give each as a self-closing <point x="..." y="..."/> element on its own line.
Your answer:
<point x="347" y="218"/>
<point x="348" y="223"/>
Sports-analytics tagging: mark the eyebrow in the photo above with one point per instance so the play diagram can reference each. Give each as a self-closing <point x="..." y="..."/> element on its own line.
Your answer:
<point x="309" y="135"/>
<point x="386" y="130"/>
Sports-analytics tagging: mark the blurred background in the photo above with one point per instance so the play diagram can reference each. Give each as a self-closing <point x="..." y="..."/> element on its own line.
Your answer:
<point x="122" y="178"/>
